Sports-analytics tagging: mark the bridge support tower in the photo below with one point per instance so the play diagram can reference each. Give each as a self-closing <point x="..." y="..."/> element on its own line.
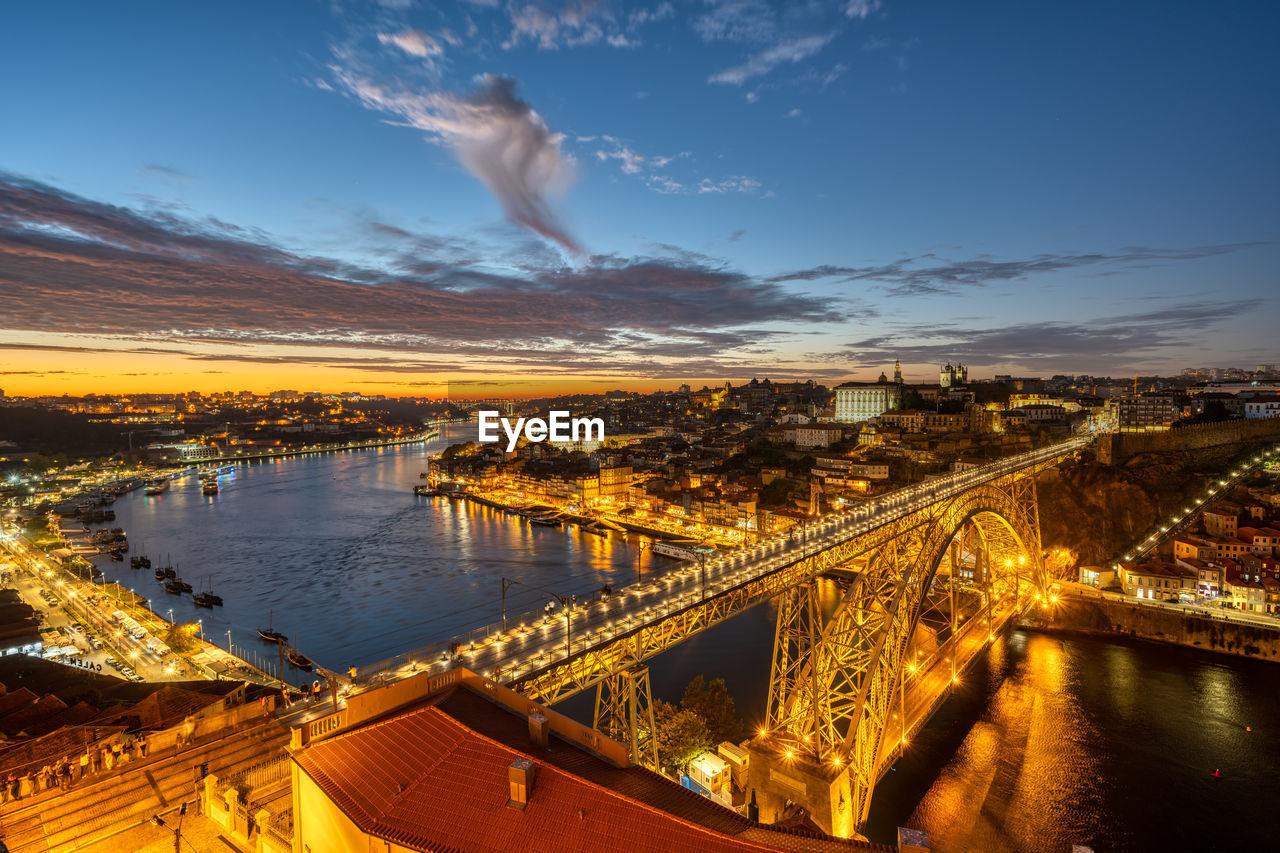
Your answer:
<point x="624" y="712"/>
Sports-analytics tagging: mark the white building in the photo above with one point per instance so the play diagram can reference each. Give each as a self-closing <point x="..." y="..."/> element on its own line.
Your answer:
<point x="861" y="401"/>
<point x="1262" y="406"/>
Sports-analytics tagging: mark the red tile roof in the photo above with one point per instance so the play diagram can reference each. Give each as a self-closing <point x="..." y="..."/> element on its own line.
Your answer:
<point x="425" y="780"/>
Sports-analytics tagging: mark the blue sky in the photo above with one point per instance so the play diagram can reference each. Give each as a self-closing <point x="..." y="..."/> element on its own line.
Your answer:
<point x="604" y="191"/>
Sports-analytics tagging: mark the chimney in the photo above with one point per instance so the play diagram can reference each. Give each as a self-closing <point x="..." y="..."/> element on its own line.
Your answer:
<point x="912" y="840"/>
<point x="520" y="775"/>
<point x="539" y="731"/>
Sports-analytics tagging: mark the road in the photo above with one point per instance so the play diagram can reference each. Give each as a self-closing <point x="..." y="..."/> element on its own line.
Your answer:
<point x="89" y="607"/>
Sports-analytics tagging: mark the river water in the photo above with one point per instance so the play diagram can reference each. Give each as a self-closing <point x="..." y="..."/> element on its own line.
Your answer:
<point x="1049" y="741"/>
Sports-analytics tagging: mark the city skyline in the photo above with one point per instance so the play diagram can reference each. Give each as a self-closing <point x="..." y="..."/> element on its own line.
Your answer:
<point x="585" y="197"/>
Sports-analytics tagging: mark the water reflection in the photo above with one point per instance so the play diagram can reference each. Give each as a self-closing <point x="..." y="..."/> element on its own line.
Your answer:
<point x="1083" y="741"/>
<point x="337" y="551"/>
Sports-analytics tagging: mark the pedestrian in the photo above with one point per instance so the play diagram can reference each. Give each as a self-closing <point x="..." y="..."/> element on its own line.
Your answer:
<point x="84" y="765"/>
<point x="142" y="746"/>
<point x="4" y="789"/>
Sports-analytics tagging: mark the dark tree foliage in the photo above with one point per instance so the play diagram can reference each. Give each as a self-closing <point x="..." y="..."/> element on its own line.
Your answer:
<point x="52" y="431"/>
<point x="712" y="703"/>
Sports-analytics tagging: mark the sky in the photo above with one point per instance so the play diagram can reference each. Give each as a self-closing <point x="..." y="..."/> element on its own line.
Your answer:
<point x="418" y="198"/>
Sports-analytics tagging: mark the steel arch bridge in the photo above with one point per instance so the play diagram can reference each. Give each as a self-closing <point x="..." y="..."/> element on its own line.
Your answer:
<point x="840" y="710"/>
<point x="924" y="569"/>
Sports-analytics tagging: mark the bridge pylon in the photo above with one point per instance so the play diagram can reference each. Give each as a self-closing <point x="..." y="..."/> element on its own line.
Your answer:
<point x="624" y="712"/>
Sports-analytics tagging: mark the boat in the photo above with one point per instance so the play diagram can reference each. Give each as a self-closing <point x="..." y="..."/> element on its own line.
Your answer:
<point x="210" y="487"/>
<point x="182" y="585"/>
<point x="682" y="551"/>
<point x="160" y="575"/>
<point x="206" y="598"/>
<point x="173" y="586"/>
<point x="271" y="636"/>
<point x="426" y="491"/>
<point x="135" y="562"/>
<point x="158" y="486"/>
<point x="593" y="529"/>
<point x="298" y="660"/>
<point x="170" y="572"/>
<point x="117" y="556"/>
<point x="546" y="520"/>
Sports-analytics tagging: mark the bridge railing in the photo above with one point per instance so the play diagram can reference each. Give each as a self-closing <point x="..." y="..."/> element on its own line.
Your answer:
<point x="437" y="654"/>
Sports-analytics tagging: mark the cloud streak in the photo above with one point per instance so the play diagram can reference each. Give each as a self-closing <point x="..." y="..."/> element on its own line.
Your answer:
<point x="1096" y="344"/>
<point x="930" y="274"/>
<point x="72" y="265"/>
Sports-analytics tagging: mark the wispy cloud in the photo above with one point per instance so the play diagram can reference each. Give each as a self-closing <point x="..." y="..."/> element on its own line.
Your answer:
<point x="1092" y="345"/>
<point x="577" y="23"/>
<point x="500" y="138"/>
<point x="413" y="42"/>
<point x="929" y="274"/>
<point x="789" y="51"/>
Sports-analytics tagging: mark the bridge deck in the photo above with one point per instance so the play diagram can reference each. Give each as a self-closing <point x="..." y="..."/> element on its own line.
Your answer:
<point x="645" y="619"/>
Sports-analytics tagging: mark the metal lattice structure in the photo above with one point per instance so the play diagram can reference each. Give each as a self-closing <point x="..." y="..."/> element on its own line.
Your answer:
<point x="624" y="712"/>
<point x="835" y="682"/>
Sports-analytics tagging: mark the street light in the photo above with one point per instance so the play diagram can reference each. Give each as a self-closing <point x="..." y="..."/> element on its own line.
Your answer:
<point x="177" y="833"/>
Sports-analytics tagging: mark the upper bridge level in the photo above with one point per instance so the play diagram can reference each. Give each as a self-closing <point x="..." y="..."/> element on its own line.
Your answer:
<point x="557" y="655"/>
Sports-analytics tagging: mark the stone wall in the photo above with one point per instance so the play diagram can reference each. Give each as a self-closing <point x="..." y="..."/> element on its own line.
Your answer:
<point x="1166" y="625"/>
<point x="1115" y="448"/>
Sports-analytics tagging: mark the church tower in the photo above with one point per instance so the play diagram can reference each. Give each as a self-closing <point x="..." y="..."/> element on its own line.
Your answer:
<point x="897" y="371"/>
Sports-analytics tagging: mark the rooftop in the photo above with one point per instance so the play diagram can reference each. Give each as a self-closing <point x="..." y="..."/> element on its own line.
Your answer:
<point x="435" y="777"/>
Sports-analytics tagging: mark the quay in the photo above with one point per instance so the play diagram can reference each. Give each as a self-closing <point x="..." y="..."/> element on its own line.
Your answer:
<point x="87" y="610"/>
<point x="312" y="449"/>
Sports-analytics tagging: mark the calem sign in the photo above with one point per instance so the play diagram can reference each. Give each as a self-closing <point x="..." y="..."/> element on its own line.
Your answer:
<point x="558" y="426"/>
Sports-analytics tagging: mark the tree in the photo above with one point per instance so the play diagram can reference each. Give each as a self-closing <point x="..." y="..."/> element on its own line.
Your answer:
<point x="681" y="735"/>
<point x="181" y="638"/>
<point x="714" y="706"/>
<point x="465" y="448"/>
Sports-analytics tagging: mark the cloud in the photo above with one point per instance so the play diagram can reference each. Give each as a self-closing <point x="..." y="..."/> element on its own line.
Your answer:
<point x="789" y="51"/>
<point x="70" y="265"/>
<point x="737" y="20"/>
<point x="496" y="135"/>
<point x="929" y="274"/>
<point x="1092" y="345"/>
<point x="413" y="42"/>
<point x="860" y="8"/>
<point x="733" y="184"/>
<point x="164" y="173"/>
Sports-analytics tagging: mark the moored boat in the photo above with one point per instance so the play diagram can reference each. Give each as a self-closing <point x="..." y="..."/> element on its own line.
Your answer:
<point x="298" y="660"/>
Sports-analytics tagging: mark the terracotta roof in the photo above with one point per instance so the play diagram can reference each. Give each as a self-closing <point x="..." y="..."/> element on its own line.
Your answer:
<point x="426" y="781"/>
<point x="32" y="716"/>
<point x="15" y="699"/>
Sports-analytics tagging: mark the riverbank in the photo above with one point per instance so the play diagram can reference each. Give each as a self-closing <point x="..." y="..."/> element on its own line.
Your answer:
<point x="95" y="608"/>
<point x="311" y="449"/>
<point x="1187" y="627"/>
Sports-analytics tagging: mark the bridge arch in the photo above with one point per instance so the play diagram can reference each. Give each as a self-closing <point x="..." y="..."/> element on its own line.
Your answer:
<point x="836" y="681"/>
